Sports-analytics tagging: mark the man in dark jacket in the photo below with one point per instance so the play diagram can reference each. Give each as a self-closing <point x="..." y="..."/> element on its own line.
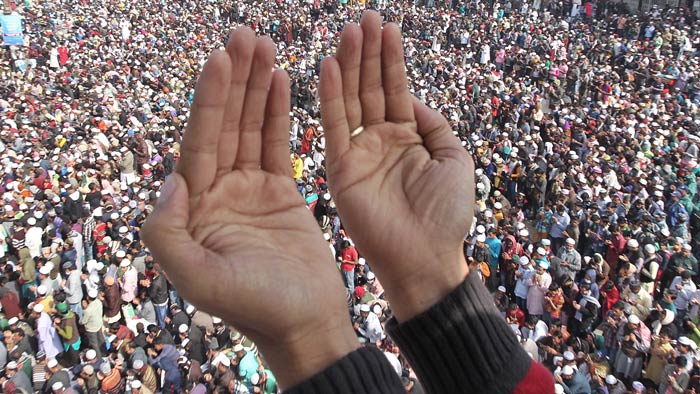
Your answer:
<point x="165" y="357"/>
<point x="158" y="291"/>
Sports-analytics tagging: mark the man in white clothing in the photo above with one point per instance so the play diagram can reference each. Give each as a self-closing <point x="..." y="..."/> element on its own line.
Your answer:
<point x="49" y="341"/>
<point x="32" y="239"/>
<point x="369" y="326"/>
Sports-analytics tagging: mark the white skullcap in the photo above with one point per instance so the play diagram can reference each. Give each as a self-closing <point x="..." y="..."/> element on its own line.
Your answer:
<point x="57" y="386"/>
<point x="136" y="384"/>
<point x="255" y="379"/>
<point x="31" y="221"/>
<point x="92" y="293"/>
<point x="610" y="379"/>
<point x="216" y="320"/>
<point x="632" y="243"/>
<point x="541" y="251"/>
<point x="90" y="354"/>
<point x="567" y="370"/>
<point x="38" y="308"/>
<point x="120" y="254"/>
<point x="52" y="363"/>
<point x="11" y="365"/>
<point x="685" y="341"/>
<point x="138" y="364"/>
<point x="189" y="309"/>
<point x="182" y="328"/>
<point x="570" y="241"/>
<point x="41" y="290"/>
<point x="125" y="263"/>
<point x="633" y="319"/>
<point x="364" y="308"/>
<point x="481" y="238"/>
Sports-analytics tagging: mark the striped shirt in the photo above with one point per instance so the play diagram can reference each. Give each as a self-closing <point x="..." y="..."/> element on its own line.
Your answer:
<point x="38" y="376"/>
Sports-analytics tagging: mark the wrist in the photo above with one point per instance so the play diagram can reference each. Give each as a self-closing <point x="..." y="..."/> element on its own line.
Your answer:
<point x="413" y="297"/>
<point x="298" y="359"/>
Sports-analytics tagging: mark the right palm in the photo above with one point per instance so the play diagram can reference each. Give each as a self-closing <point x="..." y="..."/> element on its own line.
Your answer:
<point x="403" y="186"/>
<point x="389" y="179"/>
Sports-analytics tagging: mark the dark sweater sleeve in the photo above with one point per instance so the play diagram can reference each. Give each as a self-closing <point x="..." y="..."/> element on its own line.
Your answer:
<point x="460" y="345"/>
<point x="463" y="345"/>
<point x="364" y="371"/>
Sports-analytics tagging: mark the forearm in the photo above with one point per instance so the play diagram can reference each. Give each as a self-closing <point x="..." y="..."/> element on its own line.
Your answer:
<point x="365" y="370"/>
<point x="65" y="333"/>
<point x="462" y="344"/>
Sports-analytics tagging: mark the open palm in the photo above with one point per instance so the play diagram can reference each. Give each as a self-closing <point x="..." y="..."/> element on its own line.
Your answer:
<point x="406" y="173"/>
<point x="230" y="229"/>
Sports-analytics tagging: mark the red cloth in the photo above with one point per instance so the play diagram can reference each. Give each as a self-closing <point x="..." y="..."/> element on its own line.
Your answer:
<point x="537" y="381"/>
<point x="349" y="254"/>
<point x="62" y="55"/>
<point x="615" y="248"/>
<point x="10" y="305"/>
<point x="611" y="297"/>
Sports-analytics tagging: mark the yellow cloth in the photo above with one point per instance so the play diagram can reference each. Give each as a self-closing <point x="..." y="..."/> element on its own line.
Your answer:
<point x="657" y="363"/>
<point x="298" y="167"/>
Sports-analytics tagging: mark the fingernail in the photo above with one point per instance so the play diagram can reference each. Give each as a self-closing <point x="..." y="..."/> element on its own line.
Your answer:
<point x="167" y="189"/>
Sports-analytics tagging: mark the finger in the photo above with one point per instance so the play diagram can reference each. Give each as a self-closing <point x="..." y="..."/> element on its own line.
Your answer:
<point x="200" y="143"/>
<point x="371" y="91"/>
<point x="349" y="56"/>
<point x="437" y="136"/>
<point x="397" y="98"/>
<point x="240" y="48"/>
<point x="250" y="139"/>
<point x="275" y="134"/>
<point x="166" y="235"/>
<point x="335" y="122"/>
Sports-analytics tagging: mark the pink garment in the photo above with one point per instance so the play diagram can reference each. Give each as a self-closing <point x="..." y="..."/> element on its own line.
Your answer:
<point x="535" y="297"/>
<point x="129" y="284"/>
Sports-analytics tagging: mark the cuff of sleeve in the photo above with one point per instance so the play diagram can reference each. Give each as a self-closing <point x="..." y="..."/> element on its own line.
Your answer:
<point x="364" y="371"/>
<point x="462" y="343"/>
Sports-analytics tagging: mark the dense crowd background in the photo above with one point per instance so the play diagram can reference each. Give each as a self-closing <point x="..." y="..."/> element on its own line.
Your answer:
<point x="582" y="119"/>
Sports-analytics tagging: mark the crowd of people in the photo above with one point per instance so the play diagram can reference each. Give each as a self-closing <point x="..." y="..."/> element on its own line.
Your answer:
<point x="582" y="119"/>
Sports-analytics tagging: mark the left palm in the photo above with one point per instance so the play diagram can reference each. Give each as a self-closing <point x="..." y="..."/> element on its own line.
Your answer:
<point x="231" y="230"/>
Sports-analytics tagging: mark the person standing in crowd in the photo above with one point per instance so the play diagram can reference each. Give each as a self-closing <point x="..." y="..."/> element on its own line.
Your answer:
<point x="92" y="321"/>
<point x="47" y="335"/>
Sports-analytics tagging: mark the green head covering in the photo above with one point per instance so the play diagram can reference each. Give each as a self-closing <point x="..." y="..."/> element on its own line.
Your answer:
<point x="62" y="307"/>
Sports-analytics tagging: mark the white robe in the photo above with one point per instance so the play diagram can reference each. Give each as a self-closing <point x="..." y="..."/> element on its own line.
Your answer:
<point x="32" y="241"/>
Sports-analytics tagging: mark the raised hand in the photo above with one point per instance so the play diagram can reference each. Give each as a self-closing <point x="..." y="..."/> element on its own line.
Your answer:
<point x="230" y="229"/>
<point x="404" y="186"/>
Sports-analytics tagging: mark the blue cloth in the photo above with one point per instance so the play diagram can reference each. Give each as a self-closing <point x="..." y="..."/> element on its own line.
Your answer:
<point x="495" y="249"/>
<point x="247" y="367"/>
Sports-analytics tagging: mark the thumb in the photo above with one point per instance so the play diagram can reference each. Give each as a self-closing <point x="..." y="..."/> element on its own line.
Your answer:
<point x="165" y="231"/>
<point x="437" y="136"/>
